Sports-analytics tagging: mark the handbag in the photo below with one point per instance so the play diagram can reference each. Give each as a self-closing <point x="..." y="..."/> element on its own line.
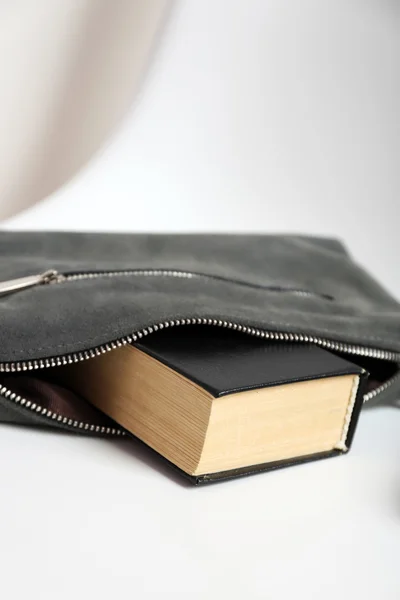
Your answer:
<point x="67" y="297"/>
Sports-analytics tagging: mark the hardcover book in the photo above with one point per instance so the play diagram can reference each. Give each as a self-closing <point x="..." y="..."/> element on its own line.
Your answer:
<point x="216" y="406"/>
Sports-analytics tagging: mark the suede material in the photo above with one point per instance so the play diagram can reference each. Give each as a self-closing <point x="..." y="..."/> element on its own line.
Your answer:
<point x="52" y="320"/>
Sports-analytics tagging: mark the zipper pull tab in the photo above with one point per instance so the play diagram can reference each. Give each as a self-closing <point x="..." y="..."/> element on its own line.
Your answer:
<point x="22" y="283"/>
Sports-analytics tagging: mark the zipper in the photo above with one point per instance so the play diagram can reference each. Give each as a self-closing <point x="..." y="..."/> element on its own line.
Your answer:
<point x="52" y="277"/>
<point x="187" y="275"/>
<point x="53" y="416"/>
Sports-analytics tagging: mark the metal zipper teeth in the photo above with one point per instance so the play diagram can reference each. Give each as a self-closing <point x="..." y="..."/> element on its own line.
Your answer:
<point x="66" y="359"/>
<point x="382" y="388"/>
<point x="131" y="272"/>
<point x="180" y="275"/>
<point x="44" y="412"/>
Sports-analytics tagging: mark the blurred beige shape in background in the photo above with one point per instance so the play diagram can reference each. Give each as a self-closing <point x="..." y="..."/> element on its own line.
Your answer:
<point x="69" y="72"/>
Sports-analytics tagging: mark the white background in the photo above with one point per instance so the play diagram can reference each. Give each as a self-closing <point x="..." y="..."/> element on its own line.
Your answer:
<point x="256" y="116"/>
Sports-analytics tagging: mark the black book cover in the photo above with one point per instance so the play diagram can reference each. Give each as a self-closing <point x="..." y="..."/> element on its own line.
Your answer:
<point x="227" y="362"/>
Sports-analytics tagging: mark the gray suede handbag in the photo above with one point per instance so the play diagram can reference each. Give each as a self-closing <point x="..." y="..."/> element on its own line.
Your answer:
<point x="67" y="297"/>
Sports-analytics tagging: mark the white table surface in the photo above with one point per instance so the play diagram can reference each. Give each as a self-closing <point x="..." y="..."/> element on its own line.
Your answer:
<point x="85" y="518"/>
<point x="92" y="518"/>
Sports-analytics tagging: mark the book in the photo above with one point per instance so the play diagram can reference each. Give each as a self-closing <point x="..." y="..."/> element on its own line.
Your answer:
<point x="218" y="405"/>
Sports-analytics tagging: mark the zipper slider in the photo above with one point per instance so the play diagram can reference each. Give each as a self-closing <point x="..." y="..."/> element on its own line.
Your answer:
<point x="15" y="285"/>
